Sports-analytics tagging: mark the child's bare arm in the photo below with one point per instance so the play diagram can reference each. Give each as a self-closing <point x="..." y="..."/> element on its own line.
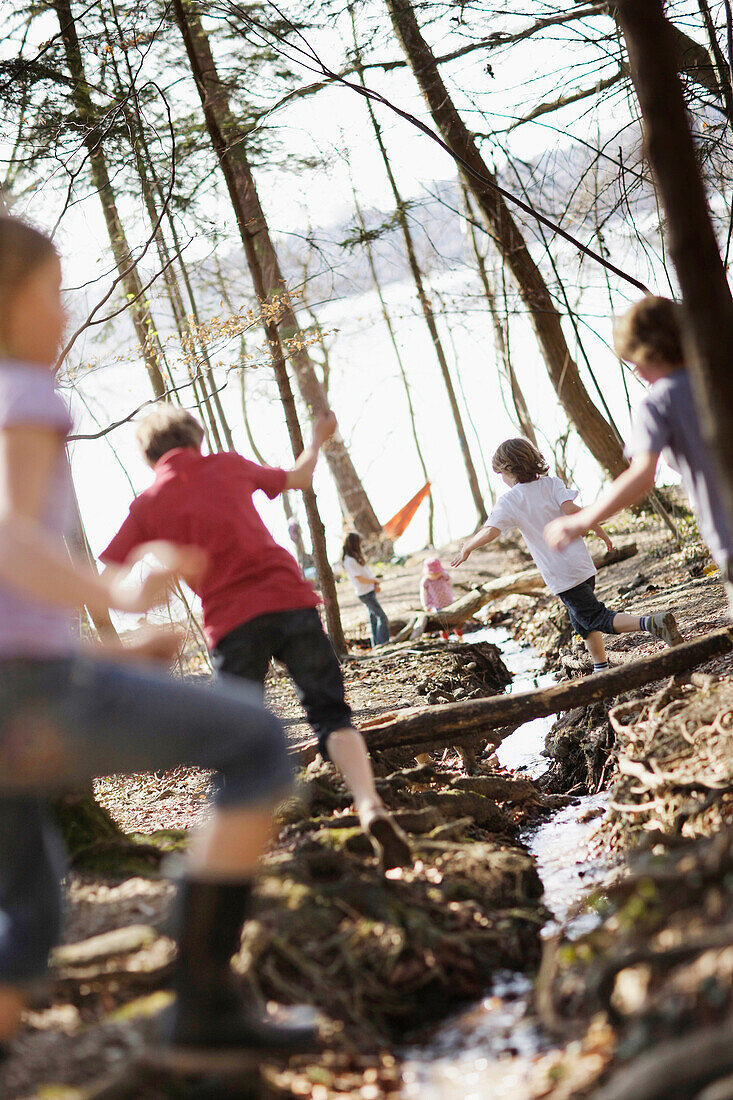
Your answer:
<point x="301" y="475"/>
<point x="187" y="562"/>
<point x="570" y="508"/>
<point x="481" y="538"/>
<point x="148" y="643"/>
<point x="629" y="487"/>
<point x="29" y="560"/>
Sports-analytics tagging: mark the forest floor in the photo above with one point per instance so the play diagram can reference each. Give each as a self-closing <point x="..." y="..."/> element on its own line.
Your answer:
<point x="382" y="958"/>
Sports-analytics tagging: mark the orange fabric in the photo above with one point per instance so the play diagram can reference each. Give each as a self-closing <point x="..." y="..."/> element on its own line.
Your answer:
<point x="399" y="523"/>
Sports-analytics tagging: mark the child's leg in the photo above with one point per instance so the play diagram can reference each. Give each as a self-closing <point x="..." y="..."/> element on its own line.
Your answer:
<point x="94" y="718"/>
<point x="626" y="624"/>
<point x="382" y="623"/>
<point x="378" y="621"/>
<point x="31" y="866"/>
<point x="309" y="657"/>
<point x="347" y="749"/>
<point x="662" y="626"/>
<point x="596" y="648"/>
<point x="367" y="601"/>
<point x="591" y="619"/>
<point x="348" y="752"/>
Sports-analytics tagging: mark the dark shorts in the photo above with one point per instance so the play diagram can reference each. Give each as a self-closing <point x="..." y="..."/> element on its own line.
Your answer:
<point x="298" y="640"/>
<point x="587" y="613"/>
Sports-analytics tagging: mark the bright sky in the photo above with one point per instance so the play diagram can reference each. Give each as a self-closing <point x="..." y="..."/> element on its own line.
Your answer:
<point x="366" y="391"/>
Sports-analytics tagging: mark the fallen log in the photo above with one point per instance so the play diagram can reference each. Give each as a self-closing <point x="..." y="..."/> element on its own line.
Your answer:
<point x="452" y="723"/>
<point x="525" y="583"/>
<point x="419" y="627"/>
<point x="680" y="1067"/>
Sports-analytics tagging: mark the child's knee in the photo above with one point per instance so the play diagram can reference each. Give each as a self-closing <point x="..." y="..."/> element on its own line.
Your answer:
<point x="254" y="762"/>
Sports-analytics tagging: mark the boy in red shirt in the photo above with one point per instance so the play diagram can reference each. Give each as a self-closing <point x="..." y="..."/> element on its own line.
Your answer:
<point x="256" y="603"/>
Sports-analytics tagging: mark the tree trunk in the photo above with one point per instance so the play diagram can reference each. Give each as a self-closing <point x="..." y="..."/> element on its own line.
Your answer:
<point x="228" y="140"/>
<point x="193" y="349"/>
<point x="501" y="334"/>
<point x="78" y="546"/>
<point x="706" y="297"/>
<point x="589" y="423"/>
<point x="403" y="373"/>
<point x="257" y="244"/>
<point x="142" y="319"/>
<point x="300" y="550"/>
<point x="425" y="304"/>
<point x="186" y="336"/>
<point x="209" y="370"/>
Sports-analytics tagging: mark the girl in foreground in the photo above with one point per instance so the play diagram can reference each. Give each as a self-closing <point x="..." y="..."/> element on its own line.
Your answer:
<point x="66" y="717"/>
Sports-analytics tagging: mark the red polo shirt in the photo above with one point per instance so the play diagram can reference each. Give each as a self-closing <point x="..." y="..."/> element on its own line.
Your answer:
<point x="206" y="501"/>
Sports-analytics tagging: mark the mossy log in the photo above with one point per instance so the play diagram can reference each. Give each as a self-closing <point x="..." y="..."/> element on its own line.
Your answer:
<point x="455" y="722"/>
<point x="95" y="841"/>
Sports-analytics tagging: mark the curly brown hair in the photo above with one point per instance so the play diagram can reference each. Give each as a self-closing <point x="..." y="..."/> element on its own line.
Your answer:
<point x="650" y="330"/>
<point x="520" y="459"/>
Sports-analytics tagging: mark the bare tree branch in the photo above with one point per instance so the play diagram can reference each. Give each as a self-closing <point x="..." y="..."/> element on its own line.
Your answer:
<point x="307" y="56"/>
<point x="565" y="100"/>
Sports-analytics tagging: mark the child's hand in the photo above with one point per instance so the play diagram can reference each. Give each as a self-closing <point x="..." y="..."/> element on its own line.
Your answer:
<point x="324" y="427"/>
<point x="155" y="643"/>
<point x="188" y="562"/>
<point x="461" y="556"/>
<point x="153" y="591"/>
<point x="149" y="643"/>
<point x="607" y="540"/>
<point x="561" y="532"/>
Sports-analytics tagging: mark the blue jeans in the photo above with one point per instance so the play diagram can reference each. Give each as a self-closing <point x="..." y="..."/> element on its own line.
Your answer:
<point x="378" y="621"/>
<point x="64" y="722"/>
<point x="587" y="613"/>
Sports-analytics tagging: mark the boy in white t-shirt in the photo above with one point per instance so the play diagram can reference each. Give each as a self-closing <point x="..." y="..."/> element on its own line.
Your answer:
<point x="533" y="500"/>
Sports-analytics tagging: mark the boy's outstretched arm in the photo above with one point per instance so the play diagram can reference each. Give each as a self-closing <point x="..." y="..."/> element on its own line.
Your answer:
<point x="629" y="487"/>
<point x="570" y="508"/>
<point x="482" y="538"/>
<point x="301" y="475"/>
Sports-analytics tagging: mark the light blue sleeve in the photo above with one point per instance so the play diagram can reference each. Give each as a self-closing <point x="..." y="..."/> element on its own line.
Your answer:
<point x="651" y="430"/>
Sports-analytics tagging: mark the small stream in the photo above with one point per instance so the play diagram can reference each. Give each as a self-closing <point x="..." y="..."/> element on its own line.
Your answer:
<point x="486" y="1052"/>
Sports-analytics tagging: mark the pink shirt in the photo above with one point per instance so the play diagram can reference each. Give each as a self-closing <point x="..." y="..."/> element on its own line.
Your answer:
<point x="436" y="591"/>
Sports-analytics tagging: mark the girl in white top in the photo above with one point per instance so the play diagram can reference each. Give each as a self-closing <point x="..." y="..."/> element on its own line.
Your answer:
<point x="533" y="500"/>
<point x="366" y="587"/>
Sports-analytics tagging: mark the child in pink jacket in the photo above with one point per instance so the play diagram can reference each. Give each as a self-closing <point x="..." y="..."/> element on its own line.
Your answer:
<point x="436" y="589"/>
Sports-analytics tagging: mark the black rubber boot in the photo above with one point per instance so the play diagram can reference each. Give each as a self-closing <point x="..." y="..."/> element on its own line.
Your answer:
<point x="211" y="1011"/>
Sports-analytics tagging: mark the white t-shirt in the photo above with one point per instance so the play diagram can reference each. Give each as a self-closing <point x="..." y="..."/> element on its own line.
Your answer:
<point x="353" y="570"/>
<point x="530" y="507"/>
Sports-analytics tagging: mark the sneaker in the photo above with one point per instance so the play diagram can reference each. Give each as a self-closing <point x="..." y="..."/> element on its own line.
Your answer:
<point x="389" y="842"/>
<point x="663" y="627"/>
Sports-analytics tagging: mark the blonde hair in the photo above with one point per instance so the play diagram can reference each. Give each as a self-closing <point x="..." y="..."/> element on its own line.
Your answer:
<point x="650" y="330"/>
<point x="521" y="459"/>
<point x="166" y="428"/>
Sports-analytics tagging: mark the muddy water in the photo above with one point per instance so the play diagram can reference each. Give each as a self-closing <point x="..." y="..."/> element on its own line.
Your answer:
<point x="486" y="1052"/>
